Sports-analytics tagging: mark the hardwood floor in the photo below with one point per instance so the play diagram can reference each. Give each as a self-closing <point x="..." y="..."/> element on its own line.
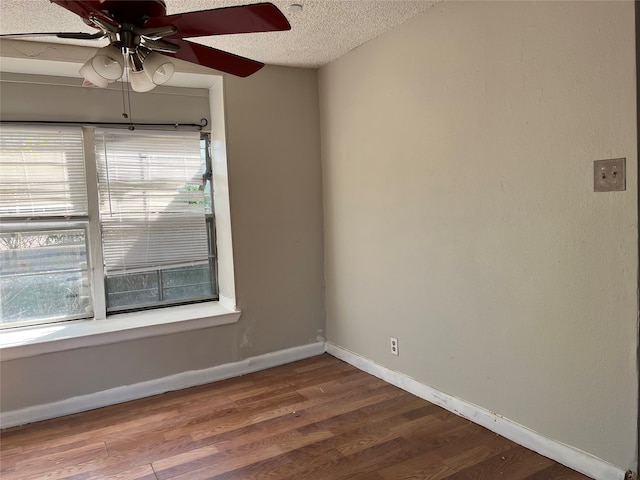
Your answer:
<point x="318" y="418"/>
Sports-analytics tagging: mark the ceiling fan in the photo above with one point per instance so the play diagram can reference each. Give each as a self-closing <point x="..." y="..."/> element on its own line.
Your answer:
<point x="141" y="35"/>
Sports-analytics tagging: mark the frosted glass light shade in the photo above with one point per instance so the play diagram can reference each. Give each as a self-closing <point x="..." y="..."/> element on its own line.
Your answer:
<point x="140" y="81"/>
<point x="108" y="62"/>
<point x="89" y="73"/>
<point x="159" y="68"/>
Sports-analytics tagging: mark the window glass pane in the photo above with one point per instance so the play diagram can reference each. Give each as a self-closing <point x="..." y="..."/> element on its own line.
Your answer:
<point x="187" y="282"/>
<point x="171" y="285"/>
<point x="43" y="276"/>
<point x="132" y="290"/>
<point x="207" y="174"/>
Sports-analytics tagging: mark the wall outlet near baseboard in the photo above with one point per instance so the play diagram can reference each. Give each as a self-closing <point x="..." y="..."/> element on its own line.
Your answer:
<point x="395" y="350"/>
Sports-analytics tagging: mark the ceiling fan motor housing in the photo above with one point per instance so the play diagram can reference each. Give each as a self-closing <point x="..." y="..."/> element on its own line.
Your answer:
<point x="135" y="12"/>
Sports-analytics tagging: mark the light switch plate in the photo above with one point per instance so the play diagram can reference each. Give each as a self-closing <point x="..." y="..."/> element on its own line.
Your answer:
<point x="609" y="175"/>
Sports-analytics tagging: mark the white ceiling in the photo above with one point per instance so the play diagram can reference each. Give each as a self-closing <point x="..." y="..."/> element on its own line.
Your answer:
<point x="323" y="31"/>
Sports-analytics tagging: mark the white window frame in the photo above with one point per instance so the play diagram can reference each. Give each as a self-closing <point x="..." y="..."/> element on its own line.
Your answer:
<point x="181" y="251"/>
<point x="24" y="342"/>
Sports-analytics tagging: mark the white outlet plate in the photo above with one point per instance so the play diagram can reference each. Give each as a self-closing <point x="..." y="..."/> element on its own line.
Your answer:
<point x="395" y="349"/>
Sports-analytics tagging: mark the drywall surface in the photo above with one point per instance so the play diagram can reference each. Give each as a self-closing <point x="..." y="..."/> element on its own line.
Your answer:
<point x="58" y="99"/>
<point x="276" y="207"/>
<point x="276" y="215"/>
<point x="460" y="215"/>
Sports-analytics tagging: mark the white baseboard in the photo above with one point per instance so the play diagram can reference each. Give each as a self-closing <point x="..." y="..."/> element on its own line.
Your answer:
<point x="569" y="456"/>
<point x="157" y="386"/>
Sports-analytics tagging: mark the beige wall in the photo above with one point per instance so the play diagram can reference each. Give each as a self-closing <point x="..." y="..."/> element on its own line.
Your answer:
<point x="460" y="215"/>
<point x="275" y="185"/>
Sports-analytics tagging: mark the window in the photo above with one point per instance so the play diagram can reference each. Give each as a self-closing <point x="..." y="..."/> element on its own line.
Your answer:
<point x="44" y="274"/>
<point x="148" y="202"/>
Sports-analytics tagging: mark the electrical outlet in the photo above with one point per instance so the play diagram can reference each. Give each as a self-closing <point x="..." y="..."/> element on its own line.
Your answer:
<point x="395" y="350"/>
<point x="609" y="175"/>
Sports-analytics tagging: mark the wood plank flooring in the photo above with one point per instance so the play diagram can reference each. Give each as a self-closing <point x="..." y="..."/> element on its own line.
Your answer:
<point x="318" y="419"/>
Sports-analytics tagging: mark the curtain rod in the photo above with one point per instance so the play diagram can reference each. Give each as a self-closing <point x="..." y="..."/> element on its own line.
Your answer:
<point x="131" y="126"/>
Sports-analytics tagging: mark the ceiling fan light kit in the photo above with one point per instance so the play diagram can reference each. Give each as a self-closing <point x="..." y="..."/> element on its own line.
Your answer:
<point x="148" y="69"/>
<point x="139" y="31"/>
<point x="108" y="63"/>
<point x="140" y="81"/>
<point x="159" y="68"/>
<point x="90" y="75"/>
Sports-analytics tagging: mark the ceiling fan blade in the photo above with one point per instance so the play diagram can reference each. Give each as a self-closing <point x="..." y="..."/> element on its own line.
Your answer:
<point x="260" y="17"/>
<point x="73" y="35"/>
<point x="87" y="9"/>
<point x="81" y="36"/>
<point x="216" y="59"/>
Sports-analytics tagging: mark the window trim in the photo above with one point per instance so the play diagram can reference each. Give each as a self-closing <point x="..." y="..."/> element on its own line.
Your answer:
<point x="21" y="342"/>
<point x="24" y="342"/>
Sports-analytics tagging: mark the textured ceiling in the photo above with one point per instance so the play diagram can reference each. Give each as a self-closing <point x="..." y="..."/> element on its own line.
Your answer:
<point x="323" y="31"/>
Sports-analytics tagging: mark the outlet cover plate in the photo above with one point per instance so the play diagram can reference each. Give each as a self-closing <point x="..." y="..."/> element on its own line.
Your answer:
<point x="609" y="175"/>
<point x="395" y="348"/>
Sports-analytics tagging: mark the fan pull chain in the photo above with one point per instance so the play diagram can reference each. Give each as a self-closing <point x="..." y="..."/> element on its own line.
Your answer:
<point x="124" y="106"/>
<point x="128" y="95"/>
<point x="131" y="127"/>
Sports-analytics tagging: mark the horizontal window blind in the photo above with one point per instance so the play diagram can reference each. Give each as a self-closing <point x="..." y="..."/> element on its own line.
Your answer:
<point x="152" y="204"/>
<point x="41" y="172"/>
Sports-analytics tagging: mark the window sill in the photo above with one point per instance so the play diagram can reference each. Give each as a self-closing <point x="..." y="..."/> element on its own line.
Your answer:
<point x="31" y="341"/>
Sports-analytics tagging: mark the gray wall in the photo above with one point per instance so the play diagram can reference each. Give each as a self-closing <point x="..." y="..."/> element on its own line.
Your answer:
<point x="275" y="185"/>
<point x="276" y="207"/>
<point x="460" y="215"/>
